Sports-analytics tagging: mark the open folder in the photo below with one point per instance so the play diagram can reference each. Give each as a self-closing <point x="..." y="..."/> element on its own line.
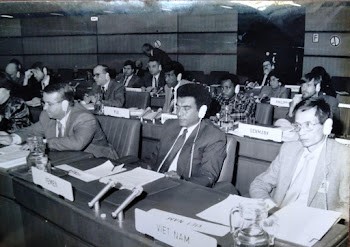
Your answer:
<point x="12" y="156"/>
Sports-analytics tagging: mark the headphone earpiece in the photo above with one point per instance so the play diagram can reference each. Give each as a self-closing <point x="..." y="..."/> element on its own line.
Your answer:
<point x="327" y="126"/>
<point x="45" y="71"/>
<point x="179" y="77"/>
<point x="237" y="88"/>
<point x="202" y="111"/>
<point x="65" y="104"/>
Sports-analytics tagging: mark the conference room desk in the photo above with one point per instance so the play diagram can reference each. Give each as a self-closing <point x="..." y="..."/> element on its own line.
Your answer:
<point x="49" y="220"/>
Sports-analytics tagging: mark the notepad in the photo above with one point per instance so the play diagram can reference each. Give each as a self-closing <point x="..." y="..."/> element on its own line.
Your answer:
<point x="12" y="156"/>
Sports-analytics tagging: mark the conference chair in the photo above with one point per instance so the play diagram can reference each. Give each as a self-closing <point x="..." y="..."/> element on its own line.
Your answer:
<point x="264" y="114"/>
<point x="122" y="133"/>
<point x="137" y="99"/>
<point x="224" y="183"/>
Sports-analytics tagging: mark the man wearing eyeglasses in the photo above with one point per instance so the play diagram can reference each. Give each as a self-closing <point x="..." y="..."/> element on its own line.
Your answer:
<point x="113" y="93"/>
<point x="65" y="125"/>
<point x="312" y="171"/>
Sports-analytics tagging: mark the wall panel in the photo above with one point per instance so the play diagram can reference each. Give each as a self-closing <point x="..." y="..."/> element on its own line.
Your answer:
<point x="334" y="66"/>
<point x="208" y="43"/>
<point x="208" y="22"/>
<point x="10" y="46"/>
<point x="63" y="61"/>
<point x="137" y="23"/>
<point x="327" y="19"/>
<point x="57" y="45"/>
<point x="133" y="43"/>
<point x="209" y="63"/>
<point x="324" y="47"/>
<point x="73" y="25"/>
<point x="10" y="27"/>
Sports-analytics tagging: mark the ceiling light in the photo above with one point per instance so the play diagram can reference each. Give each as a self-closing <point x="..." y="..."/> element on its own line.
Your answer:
<point x="226" y="7"/>
<point x="56" y="14"/>
<point x="7" y="16"/>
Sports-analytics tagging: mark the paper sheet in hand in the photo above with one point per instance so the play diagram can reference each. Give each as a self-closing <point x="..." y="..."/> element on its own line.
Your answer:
<point x="196" y="225"/>
<point x="133" y="178"/>
<point x="12" y="156"/>
<point x="220" y="212"/>
<point x="304" y="225"/>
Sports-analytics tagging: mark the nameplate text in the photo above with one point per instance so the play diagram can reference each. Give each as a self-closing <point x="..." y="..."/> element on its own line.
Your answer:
<point x="52" y="183"/>
<point x="116" y="112"/>
<point x="170" y="233"/>
<point x="282" y="102"/>
<point x="260" y="132"/>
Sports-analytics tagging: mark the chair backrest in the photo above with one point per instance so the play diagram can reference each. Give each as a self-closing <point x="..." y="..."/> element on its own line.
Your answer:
<point x="137" y="99"/>
<point x="122" y="133"/>
<point x="226" y="174"/>
<point x="264" y="114"/>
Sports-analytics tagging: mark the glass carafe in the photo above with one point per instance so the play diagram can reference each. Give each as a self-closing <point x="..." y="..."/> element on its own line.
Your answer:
<point x="245" y="221"/>
<point x="98" y="105"/>
<point x="36" y="147"/>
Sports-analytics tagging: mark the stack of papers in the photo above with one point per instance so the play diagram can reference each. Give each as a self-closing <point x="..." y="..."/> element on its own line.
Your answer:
<point x="106" y="169"/>
<point x="304" y="225"/>
<point x="12" y="156"/>
<point x="134" y="178"/>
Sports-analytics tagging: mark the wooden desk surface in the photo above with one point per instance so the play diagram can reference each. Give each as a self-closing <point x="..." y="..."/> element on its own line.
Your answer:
<point x="78" y="221"/>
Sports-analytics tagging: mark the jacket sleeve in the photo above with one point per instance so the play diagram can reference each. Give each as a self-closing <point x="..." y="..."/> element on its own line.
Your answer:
<point x="36" y="129"/>
<point x="263" y="185"/>
<point x="83" y="132"/>
<point x="118" y="97"/>
<point x="212" y="159"/>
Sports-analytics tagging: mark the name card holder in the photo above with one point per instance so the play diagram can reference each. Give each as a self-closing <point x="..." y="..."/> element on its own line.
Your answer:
<point x="343" y="105"/>
<point x="166" y="116"/>
<point x="169" y="233"/>
<point x="116" y="112"/>
<point x="52" y="183"/>
<point x="293" y="88"/>
<point x="260" y="132"/>
<point x="282" y="102"/>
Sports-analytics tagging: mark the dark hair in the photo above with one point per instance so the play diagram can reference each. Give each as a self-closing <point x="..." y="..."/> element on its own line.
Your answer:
<point x="173" y="66"/>
<point x="38" y="65"/>
<point x="323" y="110"/>
<point x="4" y="82"/>
<point x="131" y="63"/>
<point x="326" y="83"/>
<point x="66" y="91"/>
<point x="309" y="76"/>
<point x="275" y="74"/>
<point x="17" y="63"/>
<point x="105" y="68"/>
<point x="153" y="59"/>
<point x="231" y="77"/>
<point x="197" y="91"/>
<point x="147" y="47"/>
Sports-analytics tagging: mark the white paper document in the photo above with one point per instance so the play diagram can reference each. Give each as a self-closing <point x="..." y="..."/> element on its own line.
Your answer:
<point x="136" y="177"/>
<point x="92" y="174"/>
<point x="304" y="225"/>
<point x="220" y="212"/>
<point x="12" y="156"/>
<point x="196" y="225"/>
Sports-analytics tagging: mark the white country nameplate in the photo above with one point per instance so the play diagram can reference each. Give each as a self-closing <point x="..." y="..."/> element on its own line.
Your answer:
<point x="196" y="225"/>
<point x="342" y="105"/>
<point x="172" y="234"/>
<point x="280" y="102"/>
<point x="116" y="112"/>
<point x="293" y="88"/>
<point x="166" y="116"/>
<point x="260" y="132"/>
<point x="52" y="183"/>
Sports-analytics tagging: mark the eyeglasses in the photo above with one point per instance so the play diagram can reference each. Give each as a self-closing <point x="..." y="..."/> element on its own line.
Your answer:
<point x="306" y="126"/>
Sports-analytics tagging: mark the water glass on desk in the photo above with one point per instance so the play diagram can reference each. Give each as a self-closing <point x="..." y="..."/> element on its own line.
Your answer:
<point x="98" y="106"/>
<point x="37" y="148"/>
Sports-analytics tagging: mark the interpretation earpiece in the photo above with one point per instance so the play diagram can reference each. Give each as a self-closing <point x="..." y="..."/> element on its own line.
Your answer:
<point x="237" y="88"/>
<point x="202" y="111"/>
<point x="65" y="104"/>
<point x="179" y="77"/>
<point x="327" y="126"/>
<point x="45" y="71"/>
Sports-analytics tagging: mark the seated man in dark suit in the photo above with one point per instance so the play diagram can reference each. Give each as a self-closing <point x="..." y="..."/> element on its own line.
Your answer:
<point x="312" y="171"/>
<point x="113" y="93"/>
<point x="190" y="148"/>
<point x="65" y="125"/>
<point x="153" y="81"/>
<point x="128" y="77"/>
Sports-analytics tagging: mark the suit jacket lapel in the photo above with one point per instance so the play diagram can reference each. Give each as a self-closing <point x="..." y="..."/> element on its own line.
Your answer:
<point x="319" y="176"/>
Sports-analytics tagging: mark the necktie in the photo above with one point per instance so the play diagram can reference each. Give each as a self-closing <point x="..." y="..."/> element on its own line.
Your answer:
<point x="296" y="185"/>
<point x="59" y="129"/>
<point x="103" y="92"/>
<point x="154" y="82"/>
<point x="173" y="152"/>
<point x="125" y="81"/>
